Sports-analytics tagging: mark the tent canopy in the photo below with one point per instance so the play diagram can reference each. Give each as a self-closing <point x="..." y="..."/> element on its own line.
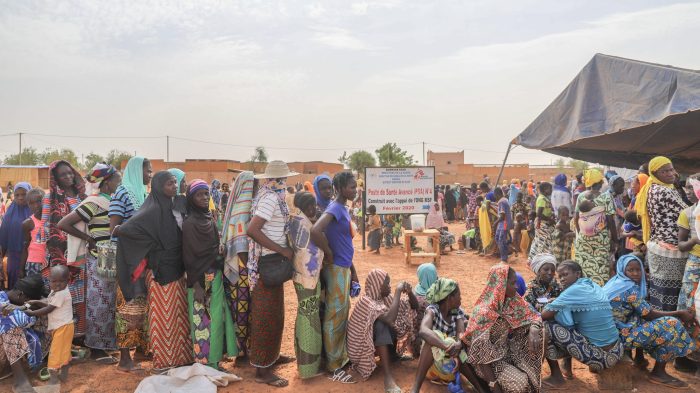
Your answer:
<point x="623" y="112"/>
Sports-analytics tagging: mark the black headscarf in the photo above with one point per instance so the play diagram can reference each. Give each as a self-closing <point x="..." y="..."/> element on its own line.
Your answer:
<point x="200" y="241"/>
<point x="150" y="233"/>
<point x="32" y="286"/>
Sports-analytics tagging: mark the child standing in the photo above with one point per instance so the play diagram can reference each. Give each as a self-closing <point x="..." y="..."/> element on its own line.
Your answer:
<point x="521" y="240"/>
<point x="632" y="231"/>
<point x="563" y="236"/>
<point x="374" y="229"/>
<point x="389" y="231"/>
<point x="60" y="311"/>
<point x="34" y="254"/>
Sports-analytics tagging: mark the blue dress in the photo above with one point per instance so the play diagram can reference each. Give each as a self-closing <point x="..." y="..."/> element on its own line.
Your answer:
<point x="664" y="338"/>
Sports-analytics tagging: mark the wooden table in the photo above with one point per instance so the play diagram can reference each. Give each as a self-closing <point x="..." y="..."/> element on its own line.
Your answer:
<point x="431" y="233"/>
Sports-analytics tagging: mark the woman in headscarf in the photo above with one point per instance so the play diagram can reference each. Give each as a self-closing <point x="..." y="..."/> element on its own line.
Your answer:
<point x="18" y="337"/>
<point x="427" y="275"/>
<point x="11" y="235"/>
<point x="544" y="223"/>
<point x="688" y="242"/>
<point x="308" y="259"/>
<point x="130" y="313"/>
<point x="472" y="206"/>
<point x="659" y="333"/>
<point x="153" y="236"/>
<point x="450" y="204"/>
<point x="235" y="239"/>
<point x="560" y="195"/>
<point x="544" y="287"/>
<point x="659" y="206"/>
<point x="380" y="323"/>
<point x="513" y="192"/>
<point x="87" y="228"/>
<point x="180" y="179"/>
<point x="309" y="187"/>
<point x="215" y="191"/>
<point x="268" y="228"/>
<point x="488" y="214"/>
<point x="636" y="185"/>
<point x="580" y="324"/>
<point x="209" y="313"/>
<point x="323" y="190"/>
<point x="596" y="237"/>
<point x="441" y="326"/>
<point x="504" y="336"/>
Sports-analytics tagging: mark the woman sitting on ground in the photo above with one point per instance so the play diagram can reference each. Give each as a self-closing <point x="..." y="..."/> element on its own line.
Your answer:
<point x="580" y="324"/>
<point x="443" y="323"/>
<point x="657" y="332"/>
<point x="504" y="336"/>
<point x="380" y="323"/>
<point x="544" y="288"/>
<point x="427" y="275"/>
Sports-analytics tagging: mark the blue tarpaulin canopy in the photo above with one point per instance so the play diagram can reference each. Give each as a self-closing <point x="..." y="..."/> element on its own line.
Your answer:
<point x="623" y="112"/>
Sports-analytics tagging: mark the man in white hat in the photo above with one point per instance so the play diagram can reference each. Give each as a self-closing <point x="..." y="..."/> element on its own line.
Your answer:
<point x="268" y="229"/>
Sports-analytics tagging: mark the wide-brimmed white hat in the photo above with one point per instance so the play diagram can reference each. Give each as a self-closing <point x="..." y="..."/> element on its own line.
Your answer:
<point x="275" y="170"/>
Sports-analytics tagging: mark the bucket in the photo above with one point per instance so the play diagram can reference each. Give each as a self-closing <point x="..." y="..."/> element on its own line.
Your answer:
<point x="417" y="222"/>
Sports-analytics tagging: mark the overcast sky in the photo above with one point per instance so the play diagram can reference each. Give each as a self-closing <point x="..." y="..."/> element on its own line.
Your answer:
<point x="309" y="80"/>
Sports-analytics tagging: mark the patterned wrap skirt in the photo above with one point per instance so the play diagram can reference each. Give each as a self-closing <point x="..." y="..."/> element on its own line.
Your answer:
<point x="100" y="309"/>
<point x="266" y="324"/>
<point x="569" y="342"/>
<point x="168" y="325"/>
<point x="308" y="339"/>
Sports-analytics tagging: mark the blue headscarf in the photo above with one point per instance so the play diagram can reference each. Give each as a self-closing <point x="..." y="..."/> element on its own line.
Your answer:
<point x="491" y="196"/>
<point x="215" y="192"/>
<point x="179" y="176"/>
<point x="321" y="202"/>
<point x="513" y="194"/>
<point x="427" y="275"/>
<point x="620" y="282"/>
<point x="11" y="236"/>
<point x="609" y="175"/>
<point x="560" y="182"/>
<point x="520" y="285"/>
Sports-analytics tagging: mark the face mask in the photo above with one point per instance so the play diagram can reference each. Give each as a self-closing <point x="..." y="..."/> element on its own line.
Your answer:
<point x="278" y="185"/>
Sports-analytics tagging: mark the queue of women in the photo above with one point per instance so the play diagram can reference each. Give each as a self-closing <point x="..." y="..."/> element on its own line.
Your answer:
<point x="153" y="275"/>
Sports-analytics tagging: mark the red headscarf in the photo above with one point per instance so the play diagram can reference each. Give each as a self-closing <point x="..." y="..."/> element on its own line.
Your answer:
<point x="493" y="304"/>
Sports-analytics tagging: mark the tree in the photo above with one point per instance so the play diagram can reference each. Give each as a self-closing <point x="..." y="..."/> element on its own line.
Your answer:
<point x="259" y="156"/>
<point x="344" y="158"/>
<point x="392" y="155"/>
<point x="52" y="154"/>
<point x="116" y="157"/>
<point x="578" y="165"/>
<point x="560" y="163"/>
<point x="92" y="159"/>
<point x="29" y="157"/>
<point x="360" y="160"/>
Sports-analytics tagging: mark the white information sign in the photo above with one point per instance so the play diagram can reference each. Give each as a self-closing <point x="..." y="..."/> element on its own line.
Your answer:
<point x="400" y="190"/>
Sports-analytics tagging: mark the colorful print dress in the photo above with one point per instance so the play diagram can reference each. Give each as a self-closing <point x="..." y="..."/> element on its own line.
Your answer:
<point x="663" y="338"/>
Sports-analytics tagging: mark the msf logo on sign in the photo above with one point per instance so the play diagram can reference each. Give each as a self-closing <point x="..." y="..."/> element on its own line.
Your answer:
<point x="419" y="174"/>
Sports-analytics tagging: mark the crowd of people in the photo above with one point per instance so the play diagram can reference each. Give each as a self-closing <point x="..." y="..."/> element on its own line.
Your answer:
<point x="108" y="265"/>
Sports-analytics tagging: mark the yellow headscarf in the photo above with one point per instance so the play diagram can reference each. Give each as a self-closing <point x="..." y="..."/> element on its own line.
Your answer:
<point x="641" y="203"/>
<point x="591" y="177"/>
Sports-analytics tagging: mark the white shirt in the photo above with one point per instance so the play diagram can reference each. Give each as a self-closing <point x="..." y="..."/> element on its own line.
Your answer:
<point x="268" y="208"/>
<point x="63" y="314"/>
<point x="560" y="198"/>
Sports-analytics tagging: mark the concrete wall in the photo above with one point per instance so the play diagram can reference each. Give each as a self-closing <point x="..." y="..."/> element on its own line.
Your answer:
<point x="445" y="162"/>
<point x="471" y="173"/>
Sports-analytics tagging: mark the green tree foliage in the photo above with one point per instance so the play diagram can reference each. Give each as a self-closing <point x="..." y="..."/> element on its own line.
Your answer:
<point x="360" y="160"/>
<point x="52" y="154"/>
<point x="578" y="165"/>
<point x="116" y="157"/>
<point x="259" y="156"/>
<point x="392" y="155"/>
<point x="92" y="159"/>
<point x="560" y="163"/>
<point x="29" y="157"/>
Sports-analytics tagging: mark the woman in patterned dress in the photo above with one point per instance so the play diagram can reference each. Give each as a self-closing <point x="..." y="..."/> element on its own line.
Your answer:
<point x="504" y="336"/>
<point x="544" y="287"/>
<point x="660" y="333"/>
<point x="596" y="233"/>
<point x="544" y="224"/>
<point x="659" y="205"/>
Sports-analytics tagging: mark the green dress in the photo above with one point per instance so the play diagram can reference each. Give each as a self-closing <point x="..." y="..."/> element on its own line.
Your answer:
<point x="592" y="252"/>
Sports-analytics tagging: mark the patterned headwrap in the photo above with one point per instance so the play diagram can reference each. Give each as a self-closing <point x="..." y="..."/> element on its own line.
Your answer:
<point x="100" y="172"/>
<point x="591" y="177"/>
<point x="196" y="185"/>
<point x="641" y="204"/>
<point x="542" y="259"/>
<point x="440" y="289"/>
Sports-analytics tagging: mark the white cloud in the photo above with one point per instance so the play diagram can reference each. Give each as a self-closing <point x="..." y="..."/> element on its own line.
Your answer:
<point x="338" y="38"/>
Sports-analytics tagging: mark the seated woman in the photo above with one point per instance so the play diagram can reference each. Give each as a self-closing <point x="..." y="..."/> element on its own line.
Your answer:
<point x="657" y="332"/>
<point x="436" y="221"/>
<point x="544" y="287"/>
<point x="17" y="338"/>
<point x="427" y="275"/>
<point x="443" y="323"/>
<point x="580" y="324"/>
<point x="504" y="336"/>
<point x="380" y="323"/>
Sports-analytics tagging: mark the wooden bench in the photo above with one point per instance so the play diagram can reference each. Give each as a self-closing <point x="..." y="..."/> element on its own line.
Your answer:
<point x="434" y="234"/>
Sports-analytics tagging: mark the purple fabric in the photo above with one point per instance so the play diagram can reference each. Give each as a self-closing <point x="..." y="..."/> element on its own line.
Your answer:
<point x="339" y="235"/>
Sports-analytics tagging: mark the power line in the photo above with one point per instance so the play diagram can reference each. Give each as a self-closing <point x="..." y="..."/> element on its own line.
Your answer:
<point x="287" y="148"/>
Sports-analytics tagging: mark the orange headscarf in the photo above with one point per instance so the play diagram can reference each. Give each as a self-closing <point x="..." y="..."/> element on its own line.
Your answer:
<point x="309" y="187"/>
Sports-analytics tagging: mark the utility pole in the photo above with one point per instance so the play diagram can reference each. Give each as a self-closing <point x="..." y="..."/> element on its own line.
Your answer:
<point x="423" y="153"/>
<point x="20" y="148"/>
<point x="167" y="148"/>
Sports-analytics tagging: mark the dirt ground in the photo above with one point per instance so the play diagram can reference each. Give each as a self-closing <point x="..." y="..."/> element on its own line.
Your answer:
<point x="468" y="269"/>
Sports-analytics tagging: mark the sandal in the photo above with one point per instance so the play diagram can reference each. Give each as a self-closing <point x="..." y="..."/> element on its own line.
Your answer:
<point x="276" y="381"/>
<point x="108" y="360"/>
<point x="44" y="374"/>
<point x="342" y="376"/>
<point x="670" y="382"/>
<point x="438" y="382"/>
<point x="135" y="370"/>
<point x="395" y="389"/>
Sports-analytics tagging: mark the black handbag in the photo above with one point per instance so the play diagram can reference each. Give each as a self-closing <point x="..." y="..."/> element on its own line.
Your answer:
<point x="274" y="269"/>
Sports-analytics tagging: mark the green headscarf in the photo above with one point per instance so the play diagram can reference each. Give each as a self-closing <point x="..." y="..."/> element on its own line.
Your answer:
<point x="440" y="289"/>
<point x="179" y="176"/>
<point x="132" y="181"/>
